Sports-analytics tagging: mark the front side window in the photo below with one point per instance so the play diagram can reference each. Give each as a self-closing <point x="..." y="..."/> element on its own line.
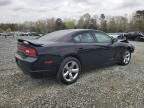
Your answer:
<point x="102" y="37"/>
<point x="84" y="38"/>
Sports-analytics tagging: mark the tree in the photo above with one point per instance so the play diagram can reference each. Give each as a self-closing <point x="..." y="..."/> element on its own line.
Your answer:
<point x="50" y="25"/>
<point x="8" y="30"/>
<point x="70" y="25"/>
<point x="94" y="21"/>
<point x="59" y="24"/>
<point x="103" y="22"/>
<point x="84" y="21"/>
<point x="87" y="20"/>
<point x="80" y="23"/>
<point x="139" y="20"/>
<point x="1" y="30"/>
<point x="112" y="27"/>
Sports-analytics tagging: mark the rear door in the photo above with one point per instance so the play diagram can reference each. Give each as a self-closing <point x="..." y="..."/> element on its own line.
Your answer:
<point x="85" y="43"/>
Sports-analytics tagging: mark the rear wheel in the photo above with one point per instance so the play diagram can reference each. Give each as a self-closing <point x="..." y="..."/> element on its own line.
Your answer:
<point x="126" y="57"/>
<point x="69" y="70"/>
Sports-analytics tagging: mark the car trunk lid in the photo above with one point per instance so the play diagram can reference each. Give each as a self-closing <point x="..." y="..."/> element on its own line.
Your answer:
<point x="27" y="47"/>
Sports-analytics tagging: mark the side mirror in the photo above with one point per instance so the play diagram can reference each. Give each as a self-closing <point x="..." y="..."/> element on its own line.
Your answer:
<point x="114" y="40"/>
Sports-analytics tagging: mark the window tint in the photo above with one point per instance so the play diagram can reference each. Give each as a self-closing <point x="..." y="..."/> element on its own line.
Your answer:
<point x="84" y="38"/>
<point x="77" y="38"/>
<point x="102" y="37"/>
<point x="55" y="36"/>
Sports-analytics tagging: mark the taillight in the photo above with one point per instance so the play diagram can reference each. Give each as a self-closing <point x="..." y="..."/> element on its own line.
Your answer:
<point x="27" y="51"/>
<point x="30" y="51"/>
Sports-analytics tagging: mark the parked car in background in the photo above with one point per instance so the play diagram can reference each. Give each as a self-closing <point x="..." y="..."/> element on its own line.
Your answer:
<point x="66" y="53"/>
<point x="136" y="36"/>
<point x="6" y="34"/>
<point x="119" y="36"/>
<point x="31" y="34"/>
<point x="23" y="33"/>
<point x="35" y="34"/>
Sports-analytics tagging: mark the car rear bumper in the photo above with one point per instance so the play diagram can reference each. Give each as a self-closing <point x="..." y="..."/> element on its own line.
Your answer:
<point x="29" y="65"/>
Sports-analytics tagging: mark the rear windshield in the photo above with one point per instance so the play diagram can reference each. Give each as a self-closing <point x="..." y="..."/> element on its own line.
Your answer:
<point x="55" y="36"/>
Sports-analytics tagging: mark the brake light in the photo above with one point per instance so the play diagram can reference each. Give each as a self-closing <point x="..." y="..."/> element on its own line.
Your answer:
<point x="27" y="51"/>
<point x="30" y="52"/>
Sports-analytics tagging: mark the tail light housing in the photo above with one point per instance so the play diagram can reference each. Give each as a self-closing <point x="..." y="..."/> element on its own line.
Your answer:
<point x="28" y="51"/>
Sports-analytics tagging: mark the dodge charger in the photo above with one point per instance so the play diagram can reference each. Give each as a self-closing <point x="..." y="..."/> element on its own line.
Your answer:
<point x="66" y="53"/>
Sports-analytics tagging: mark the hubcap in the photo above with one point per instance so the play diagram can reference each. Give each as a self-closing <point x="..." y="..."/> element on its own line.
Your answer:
<point x="70" y="71"/>
<point x="126" y="57"/>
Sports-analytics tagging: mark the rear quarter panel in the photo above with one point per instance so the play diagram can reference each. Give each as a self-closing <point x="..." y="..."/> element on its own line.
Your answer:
<point x="55" y="53"/>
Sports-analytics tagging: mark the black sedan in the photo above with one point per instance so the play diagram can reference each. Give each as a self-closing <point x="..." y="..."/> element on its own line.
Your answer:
<point x="66" y="53"/>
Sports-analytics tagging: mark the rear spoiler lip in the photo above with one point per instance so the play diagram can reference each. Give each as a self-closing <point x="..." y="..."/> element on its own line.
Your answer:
<point x="26" y="41"/>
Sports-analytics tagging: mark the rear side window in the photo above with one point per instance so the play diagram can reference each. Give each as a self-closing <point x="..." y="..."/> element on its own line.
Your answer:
<point x="56" y="36"/>
<point x="77" y="38"/>
<point x="84" y="38"/>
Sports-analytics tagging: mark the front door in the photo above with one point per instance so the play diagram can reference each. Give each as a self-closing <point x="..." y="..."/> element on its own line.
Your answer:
<point x="104" y="48"/>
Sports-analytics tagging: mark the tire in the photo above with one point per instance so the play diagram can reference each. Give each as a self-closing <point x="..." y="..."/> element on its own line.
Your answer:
<point x="69" y="70"/>
<point x="126" y="57"/>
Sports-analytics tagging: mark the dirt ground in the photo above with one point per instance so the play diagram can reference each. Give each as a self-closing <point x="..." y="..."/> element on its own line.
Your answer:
<point x="110" y="87"/>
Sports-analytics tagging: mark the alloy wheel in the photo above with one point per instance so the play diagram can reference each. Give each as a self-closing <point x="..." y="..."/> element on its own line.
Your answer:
<point x="71" y="71"/>
<point x="126" y="57"/>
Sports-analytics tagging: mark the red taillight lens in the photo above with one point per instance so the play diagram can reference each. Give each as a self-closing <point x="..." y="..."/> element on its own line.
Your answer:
<point x="30" y="52"/>
<point x="27" y="51"/>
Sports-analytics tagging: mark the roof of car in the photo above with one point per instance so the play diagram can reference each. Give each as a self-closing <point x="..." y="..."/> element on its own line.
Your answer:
<point x="62" y="35"/>
<point x="76" y="30"/>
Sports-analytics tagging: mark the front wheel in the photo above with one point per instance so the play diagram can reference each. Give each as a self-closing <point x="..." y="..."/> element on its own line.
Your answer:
<point x="69" y="70"/>
<point x="126" y="57"/>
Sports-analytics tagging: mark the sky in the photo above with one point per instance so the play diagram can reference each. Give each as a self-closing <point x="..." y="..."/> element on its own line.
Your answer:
<point x="17" y="11"/>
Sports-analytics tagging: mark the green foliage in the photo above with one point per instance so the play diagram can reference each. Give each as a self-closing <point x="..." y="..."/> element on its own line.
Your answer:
<point x="1" y="30"/>
<point x="70" y="25"/>
<point x="8" y="30"/>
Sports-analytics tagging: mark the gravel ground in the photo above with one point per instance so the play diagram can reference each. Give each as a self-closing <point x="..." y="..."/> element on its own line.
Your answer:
<point x="110" y="87"/>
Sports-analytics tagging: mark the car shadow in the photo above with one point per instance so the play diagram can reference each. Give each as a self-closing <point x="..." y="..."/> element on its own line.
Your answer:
<point x="45" y="78"/>
<point x="95" y="68"/>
